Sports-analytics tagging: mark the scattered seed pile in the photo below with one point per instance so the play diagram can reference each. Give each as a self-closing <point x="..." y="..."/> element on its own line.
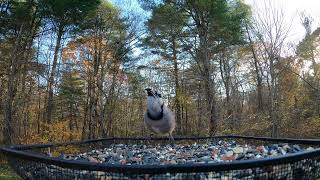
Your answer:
<point x="221" y="151"/>
<point x="204" y="153"/>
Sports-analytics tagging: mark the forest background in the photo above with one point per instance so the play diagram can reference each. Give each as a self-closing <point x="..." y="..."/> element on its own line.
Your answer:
<point x="77" y="69"/>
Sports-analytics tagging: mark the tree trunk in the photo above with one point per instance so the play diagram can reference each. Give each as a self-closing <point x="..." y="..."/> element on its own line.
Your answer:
<point x="225" y="72"/>
<point x="177" y="87"/>
<point x="257" y="72"/>
<point x="52" y="75"/>
<point x="208" y="82"/>
<point x="273" y="100"/>
<point x="211" y="105"/>
<point x="8" y="132"/>
<point x="87" y="116"/>
<point x="110" y="105"/>
<point x="8" y="128"/>
<point x="199" y="110"/>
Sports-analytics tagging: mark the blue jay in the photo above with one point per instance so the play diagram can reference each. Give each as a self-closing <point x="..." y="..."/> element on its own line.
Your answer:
<point x="158" y="118"/>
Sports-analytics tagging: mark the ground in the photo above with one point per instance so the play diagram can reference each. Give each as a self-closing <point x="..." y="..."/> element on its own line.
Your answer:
<point x="6" y="173"/>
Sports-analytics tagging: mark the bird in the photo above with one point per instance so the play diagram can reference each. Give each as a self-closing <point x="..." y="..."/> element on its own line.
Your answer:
<point x="158" y="118"/>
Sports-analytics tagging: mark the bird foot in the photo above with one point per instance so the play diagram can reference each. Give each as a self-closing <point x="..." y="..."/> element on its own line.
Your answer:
<point x="149" y="138"/>
<point x="171" y="139"/>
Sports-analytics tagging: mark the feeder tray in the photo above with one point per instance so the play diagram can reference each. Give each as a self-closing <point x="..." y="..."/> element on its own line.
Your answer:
<point x="42" y="161"/>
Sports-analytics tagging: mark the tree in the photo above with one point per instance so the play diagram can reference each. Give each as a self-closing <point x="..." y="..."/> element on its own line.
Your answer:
<point x="71" y="97"/>
<point x="64" y="16"/>
<point x="165" y="29"/>
<point x="308" y="51"/>
<point x="272" y="32"/>
<point x="257" y="66"/>
<point x="17" y="35"/>
<point x="216" y="24"/>
<point x="102" y="50"/>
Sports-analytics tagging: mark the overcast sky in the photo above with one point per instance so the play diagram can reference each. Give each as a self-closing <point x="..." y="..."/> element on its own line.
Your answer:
<point x="292" y="9"/>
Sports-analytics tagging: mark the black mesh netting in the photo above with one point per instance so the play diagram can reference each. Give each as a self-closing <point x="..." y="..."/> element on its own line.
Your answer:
<point x="31" y="162"/>
<point x="303" y="169"/>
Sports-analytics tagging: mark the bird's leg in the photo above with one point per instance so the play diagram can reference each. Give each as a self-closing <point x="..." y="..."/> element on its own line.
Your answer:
<point x="171" y="139"/>
<point x="149" y="138"/>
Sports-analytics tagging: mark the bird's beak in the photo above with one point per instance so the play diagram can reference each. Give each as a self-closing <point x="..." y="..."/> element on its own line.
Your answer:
<point x="150" y="91"/>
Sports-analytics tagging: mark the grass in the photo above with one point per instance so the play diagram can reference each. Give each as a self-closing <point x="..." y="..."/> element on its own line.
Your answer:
<point x="6" y="173"/>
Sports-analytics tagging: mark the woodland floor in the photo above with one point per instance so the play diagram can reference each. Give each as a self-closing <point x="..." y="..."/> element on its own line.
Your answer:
<point x="6" y="173"/>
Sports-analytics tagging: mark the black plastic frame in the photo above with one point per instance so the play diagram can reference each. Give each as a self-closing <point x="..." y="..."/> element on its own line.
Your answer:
<point x="18" y="152"/>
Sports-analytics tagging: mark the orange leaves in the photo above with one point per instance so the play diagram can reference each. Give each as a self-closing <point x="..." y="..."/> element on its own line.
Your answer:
<point x="85" y="50"/>
<point x="68" y="55"/>
<point x="55" y="132"/>
<point x="87" y="64"/>
<point x="69" y="52"/>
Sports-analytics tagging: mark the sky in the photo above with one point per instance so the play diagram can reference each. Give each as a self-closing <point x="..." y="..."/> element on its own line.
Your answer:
<point x="292" y="10"/>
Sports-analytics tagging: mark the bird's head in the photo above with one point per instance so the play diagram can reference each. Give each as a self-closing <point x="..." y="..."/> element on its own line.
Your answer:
<point x="151" y="93"/>
<point x="154" y="99"/>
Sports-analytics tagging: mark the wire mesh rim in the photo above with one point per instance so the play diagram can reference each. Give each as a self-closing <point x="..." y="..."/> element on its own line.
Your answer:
<point x="16" y="151"/>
